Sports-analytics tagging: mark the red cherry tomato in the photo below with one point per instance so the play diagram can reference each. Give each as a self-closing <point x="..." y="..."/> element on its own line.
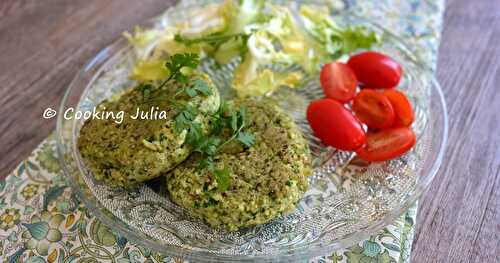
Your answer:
<point x="373" y="109"/>
<point x="387" y="144"/>
<point x="402" y="108"/>
<point x="335" y="125"/>
<point x="375" y="70"/>
<point x="338" y="82"/>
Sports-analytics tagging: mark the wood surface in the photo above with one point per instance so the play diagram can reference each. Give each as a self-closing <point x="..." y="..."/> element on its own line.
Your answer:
<point x="459" y="217"/>
<point x="44" y="43"/>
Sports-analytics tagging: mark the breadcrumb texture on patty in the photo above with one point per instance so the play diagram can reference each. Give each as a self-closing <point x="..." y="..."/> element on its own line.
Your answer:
<point x="266" y="180"/>
<point x="137" y="150"/>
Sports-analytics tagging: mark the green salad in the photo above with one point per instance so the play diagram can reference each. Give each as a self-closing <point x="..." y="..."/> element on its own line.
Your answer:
<point x="258" y="32"/>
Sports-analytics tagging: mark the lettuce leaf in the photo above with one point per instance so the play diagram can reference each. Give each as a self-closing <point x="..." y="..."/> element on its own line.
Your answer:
<point x="213" y="18"/>
<point x="150" y="70"/>
<point x="220" y="20"/>
<point x="354" y="38"/>
<point x="334" y="40"/>
<point x="227" y="51"/>
<point x="245" y="13"/>
<point x="266" y="82"/>
<point x="169" y="45"/>
<point x="250" y="81"/>
<point x="142" y="40"/>
<point x="141" y="37"/>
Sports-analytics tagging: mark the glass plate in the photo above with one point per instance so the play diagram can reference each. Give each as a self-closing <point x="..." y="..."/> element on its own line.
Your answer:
<point x="348" y="200"/>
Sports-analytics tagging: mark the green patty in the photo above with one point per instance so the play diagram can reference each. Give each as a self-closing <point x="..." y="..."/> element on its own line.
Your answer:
<point x="267" y="180"/>
<point x="138" y="150"/>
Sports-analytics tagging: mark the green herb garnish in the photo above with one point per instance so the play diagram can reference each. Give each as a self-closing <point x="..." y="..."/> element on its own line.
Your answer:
<point x="199" y="87"/>
<point x="247" y="139"/>
<point x="207" y="144"/>
<point x="179" y="66"/>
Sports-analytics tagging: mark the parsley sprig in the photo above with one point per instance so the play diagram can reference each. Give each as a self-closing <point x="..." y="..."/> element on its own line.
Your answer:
<point x="180" y="65"/>
<point x="206" y="144"/>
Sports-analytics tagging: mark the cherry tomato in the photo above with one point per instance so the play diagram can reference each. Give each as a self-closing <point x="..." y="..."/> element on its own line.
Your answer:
<point x="373" y="109"/>
<point x="402" y="108"/>
<point x="387" y="144"/>
<point x="335" y="125"/>
<point x="338" y="82"/>
<point x="375" y="70"/>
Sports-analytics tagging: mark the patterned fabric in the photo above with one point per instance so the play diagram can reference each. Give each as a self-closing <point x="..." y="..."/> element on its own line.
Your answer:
<point x="42" y="221"/>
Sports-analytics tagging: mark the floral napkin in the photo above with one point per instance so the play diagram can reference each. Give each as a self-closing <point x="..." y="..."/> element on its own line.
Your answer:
<point x="42" y="221"/>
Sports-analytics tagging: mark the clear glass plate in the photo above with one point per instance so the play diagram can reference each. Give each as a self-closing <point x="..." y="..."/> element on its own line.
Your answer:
<point x="348" y="200"/>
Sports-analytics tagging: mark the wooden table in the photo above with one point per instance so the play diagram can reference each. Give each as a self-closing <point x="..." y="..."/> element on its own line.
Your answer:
<point x="44" y="43"/>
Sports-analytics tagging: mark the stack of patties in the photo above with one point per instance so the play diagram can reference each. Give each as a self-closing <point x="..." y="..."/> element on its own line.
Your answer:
<point x="262" y="181"/>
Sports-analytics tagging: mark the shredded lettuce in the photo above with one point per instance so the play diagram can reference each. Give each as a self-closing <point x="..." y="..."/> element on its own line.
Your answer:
<point x="230" y="49"/>
<point x="250" y="81"/>
<point x="260" y="33"/>
<point x="291" y="44"/>
<point x="266" y="82"/>
<point x="263" y="49"/>
<point x="211" y="19"/>
<point x="220" y="20"/>
<point x="245" y="72"/>
<point x="169" y="45"/>
<point x="150" y="70"/>
<point x="354" y="38"/>
<point x="334" y="40"/>
<point x="142" y="40"/>
<point x="245" y="13"/>
<point x="141" y="37"/>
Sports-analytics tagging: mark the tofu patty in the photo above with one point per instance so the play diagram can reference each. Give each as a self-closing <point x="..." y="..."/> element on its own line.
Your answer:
<point x="266" y="180"/>
<point x="137" y="150"/>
